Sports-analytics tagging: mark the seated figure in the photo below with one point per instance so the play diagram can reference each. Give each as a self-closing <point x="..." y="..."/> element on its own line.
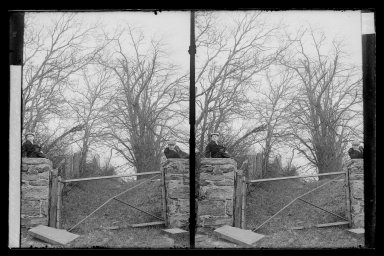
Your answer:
<point x="173" y="151"/>
<point x="31" y="149"/>
<point x="214" y="149"/>
<point x="356" y="151"/>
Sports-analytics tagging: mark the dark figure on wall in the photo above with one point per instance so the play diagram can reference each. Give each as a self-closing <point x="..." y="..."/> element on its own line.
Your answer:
<point x="356" y="151"/>
<point x="214" y="149"/>
<point x="173" y="151"/>
<point x="30" y="148"/>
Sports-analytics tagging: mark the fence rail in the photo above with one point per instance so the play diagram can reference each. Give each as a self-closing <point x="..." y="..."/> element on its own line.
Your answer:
<point x="109" y="177"/>
<point x="296" y="177"/>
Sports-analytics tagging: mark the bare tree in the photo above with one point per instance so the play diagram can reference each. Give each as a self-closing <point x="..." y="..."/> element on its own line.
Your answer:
<point x="326" y="106"/>
<point x="228" y="58"/>
<point x="52" y="54"/>
<point x="143" y="112"/>
<point x="89" y="102"/>
<point x="272" y="107"/>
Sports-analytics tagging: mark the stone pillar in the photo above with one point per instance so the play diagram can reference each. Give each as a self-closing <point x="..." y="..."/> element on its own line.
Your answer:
<point x="176" y="178"/>
<point x="216" y="192"/>
<point x="355" y="192"/>
<point x="35" y="174"/>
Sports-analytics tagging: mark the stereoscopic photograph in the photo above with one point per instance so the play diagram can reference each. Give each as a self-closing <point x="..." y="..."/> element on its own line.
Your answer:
<point x="192" y="129"/>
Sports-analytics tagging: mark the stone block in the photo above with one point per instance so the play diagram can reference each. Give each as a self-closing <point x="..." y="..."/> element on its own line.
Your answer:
<point x="227" y="168"/>
<point x="33" y="221"/>
<point x="181" y="192"/>
<point x="357" y="177"/>
<point x="211" y="207"/>
<point x="204" y="183"/>
<point x="217" y="170"/>
<point x="35" y="192"/>
<point x="211" y="177"/>
<point x="201" y="238"/>
<point x="44" y="207"/>
<point x="25" y="176"/>
<point x="178" y="220"/>
<point x="357" y="221"/>
<point x="357" y="208"/>
<point x="176" y="233"/>
<point x="229" y="175"/>
<point x="43" y="168"/>
<point x="172" y="206"/>
<point x="357" y="189"/>
<point x="30" y="207"/>
<point x="222" y="192"/>
<point x="186" y="180"/>
<point x="35" y="161"/>
<point x="215" y="221"/>
<point x="217" y="161"/>
<point x="176" y="166"/>
<point x="238" y="235"/>
<point x="44" y="175"/>
<point x="32" y="170"/>
<point x="24" y="167"/>
<point x="225" y="182"/>
<point x="173" y="184"/>
<point x="229" y="207"/>
<point x="183" y="206"/>
<point x="174" y="177"/>
<point x="39" y="183"/>
<point x="206" y="169"/>
<point x="52" y="235"/>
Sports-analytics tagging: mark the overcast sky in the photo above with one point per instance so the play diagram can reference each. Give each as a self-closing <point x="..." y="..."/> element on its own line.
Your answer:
<point x="174" y="27"/>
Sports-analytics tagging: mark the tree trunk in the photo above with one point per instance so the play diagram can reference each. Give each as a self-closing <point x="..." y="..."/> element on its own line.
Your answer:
<point x="328" y="155"/>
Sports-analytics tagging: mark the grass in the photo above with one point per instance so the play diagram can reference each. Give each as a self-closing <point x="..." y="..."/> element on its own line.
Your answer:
<point x="95" y="232"/>
<point x="265" y="199"/>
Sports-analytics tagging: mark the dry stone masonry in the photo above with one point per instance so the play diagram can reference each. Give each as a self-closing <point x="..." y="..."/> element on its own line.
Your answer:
<point x="35" y="174"/>
<point x="355" y="169"/>
<point x="216" y="192"/>
<point x="176" y="178"/>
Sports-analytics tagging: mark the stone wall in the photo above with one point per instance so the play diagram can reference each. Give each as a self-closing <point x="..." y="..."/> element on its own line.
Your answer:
<point x="216" y="193"/>
<point x="35" y="173"/>
<point x="355" y="169"/>
<point x="176" y="177"/>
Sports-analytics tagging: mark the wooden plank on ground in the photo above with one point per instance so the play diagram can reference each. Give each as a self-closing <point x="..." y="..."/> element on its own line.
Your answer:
<point x="155" y="223"/>
<point x="340" y="223"/>
<point x="238" y="235"/>
<point x="176" y="232"/>
<point x="112" y="228"/>
<point x="357" y="231"/>
<point x="52" y="235"/>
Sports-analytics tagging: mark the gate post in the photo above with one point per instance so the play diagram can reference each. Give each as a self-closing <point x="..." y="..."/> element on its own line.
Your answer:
<point x="243" y="200"/>
<point x="239" y="174"/>
<point x="59" y="202"/>
<point x="52" y="203"/>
